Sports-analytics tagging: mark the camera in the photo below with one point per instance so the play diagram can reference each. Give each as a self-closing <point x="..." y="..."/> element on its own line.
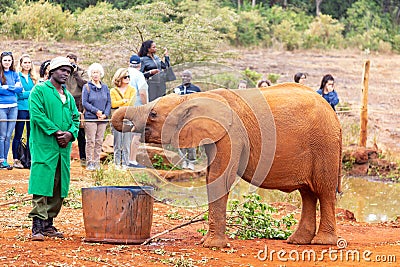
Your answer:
<point x="74" y="66"/>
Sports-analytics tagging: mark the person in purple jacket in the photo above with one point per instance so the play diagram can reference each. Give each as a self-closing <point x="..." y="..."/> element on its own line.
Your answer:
<point x="10" y="86"/>
<point x="327" y="90"/>
<point x="96" y="101"/>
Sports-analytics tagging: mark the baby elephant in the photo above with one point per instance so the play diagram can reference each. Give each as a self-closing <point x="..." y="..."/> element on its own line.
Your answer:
<point x="284" y="137"/>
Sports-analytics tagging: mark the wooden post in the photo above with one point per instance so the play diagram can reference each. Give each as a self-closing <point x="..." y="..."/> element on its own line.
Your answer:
<point x="364" y="106"/>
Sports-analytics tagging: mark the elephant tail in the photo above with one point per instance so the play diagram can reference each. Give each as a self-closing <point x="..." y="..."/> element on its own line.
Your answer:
<point x="339" y="186"/>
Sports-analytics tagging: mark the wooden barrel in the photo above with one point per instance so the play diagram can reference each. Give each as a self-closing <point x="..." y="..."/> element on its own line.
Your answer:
<point x="117" y="214"/>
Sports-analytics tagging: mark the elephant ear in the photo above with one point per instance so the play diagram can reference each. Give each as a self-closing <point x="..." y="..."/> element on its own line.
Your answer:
<point x="201" y="118"/>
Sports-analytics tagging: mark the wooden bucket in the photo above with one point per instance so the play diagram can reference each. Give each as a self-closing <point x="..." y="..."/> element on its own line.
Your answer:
<point x="117" y="214"/>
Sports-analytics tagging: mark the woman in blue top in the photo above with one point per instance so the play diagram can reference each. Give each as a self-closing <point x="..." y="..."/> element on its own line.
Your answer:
<point x="28" y="78"/>
<point x="96" y="102"/>
<point x="327" y="90"/>
<point x="10" y="86"/>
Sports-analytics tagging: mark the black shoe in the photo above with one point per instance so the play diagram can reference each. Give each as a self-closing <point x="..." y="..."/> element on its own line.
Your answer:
<point x="132" y="166"/>
<point x="37" y="229"/>
<point x="50" y="230"/>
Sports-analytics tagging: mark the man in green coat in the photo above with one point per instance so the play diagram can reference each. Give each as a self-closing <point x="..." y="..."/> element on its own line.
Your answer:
<point x="54" y="122"/>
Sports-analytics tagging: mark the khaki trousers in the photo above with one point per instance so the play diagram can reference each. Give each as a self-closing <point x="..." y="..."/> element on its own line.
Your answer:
<point x="94" y="132"/>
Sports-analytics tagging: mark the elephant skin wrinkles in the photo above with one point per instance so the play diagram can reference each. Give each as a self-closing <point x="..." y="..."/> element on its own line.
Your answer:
<point x="284" y="137"/>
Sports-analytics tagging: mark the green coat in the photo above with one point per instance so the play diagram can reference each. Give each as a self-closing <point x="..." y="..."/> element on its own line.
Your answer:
<point x="48" y="115"/>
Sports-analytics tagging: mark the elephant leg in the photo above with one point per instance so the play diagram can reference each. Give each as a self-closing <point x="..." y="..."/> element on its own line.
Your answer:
<point x="220" y="177"/>
<point x="307" y="226"/>
<point x="327" y="227"/>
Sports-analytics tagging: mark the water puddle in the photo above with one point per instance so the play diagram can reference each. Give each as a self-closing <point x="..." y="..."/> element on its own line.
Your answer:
<point x="369" y="200"/>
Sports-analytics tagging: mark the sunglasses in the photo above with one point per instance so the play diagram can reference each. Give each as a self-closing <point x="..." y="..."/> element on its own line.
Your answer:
<point x="3" y="54"/>
<point x="127" y="77"/>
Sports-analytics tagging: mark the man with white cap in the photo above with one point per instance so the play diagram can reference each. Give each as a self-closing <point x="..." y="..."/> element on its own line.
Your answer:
<point x="54" y="126"/>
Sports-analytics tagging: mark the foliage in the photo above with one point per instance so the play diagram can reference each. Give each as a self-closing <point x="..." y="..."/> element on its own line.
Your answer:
<point x="324" y="32"/>
<point x="252" y="75"/>
<point x="195" y="30"/>
<point x="286" y="34"/>
<point x="156" y="21"/>
<point x="174" y="215"/>
<point x="252" y="29"/>
<point x="160" y="165"/>
<point x="254" y="219"/>
<point x="273" y="77"/>
<point x="366" y="26"/>
<point x="41" y="21"/>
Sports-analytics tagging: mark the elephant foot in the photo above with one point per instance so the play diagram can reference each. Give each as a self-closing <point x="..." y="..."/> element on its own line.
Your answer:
<point x="301" y="238"/>
<point x="210" y="241"/>
<point x="325" y="239"/>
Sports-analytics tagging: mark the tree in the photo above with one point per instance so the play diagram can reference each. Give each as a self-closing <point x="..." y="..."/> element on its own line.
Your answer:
<point x="317" y="4"/>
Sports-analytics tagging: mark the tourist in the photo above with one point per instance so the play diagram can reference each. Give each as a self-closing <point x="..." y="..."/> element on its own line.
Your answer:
<point x="96" y="102"/>
<point x="10" y="86"/>
<point x="28" y="78"/>
<point x="327" y="90"/>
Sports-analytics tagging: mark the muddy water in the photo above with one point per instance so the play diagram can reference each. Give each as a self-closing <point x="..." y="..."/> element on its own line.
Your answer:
<point x="369" y="200"/>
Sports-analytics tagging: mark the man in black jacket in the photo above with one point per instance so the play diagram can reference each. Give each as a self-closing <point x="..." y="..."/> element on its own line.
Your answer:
<point x="188" y="155"/>
<point x="75" y="83"/>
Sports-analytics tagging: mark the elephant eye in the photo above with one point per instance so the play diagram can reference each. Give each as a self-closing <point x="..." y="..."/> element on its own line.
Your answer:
<point x="153" y="114"/>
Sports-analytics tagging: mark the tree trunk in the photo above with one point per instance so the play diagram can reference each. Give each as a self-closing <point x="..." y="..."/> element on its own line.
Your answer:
<point x="317" y="4"/>
<point x="253" y="3"/>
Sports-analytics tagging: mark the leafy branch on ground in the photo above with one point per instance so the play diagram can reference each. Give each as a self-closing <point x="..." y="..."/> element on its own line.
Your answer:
<point x="253" y="219"/>
<point x="160" y="165"/>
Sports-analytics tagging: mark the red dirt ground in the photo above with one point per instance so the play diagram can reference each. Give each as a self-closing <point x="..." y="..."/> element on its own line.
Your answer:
<point x="177" y="248"/>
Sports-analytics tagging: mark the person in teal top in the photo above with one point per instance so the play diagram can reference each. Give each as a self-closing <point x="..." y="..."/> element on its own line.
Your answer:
<point x="28" y="78"/>
<point x="54" y="126"/>
<point x="10" y="86"/>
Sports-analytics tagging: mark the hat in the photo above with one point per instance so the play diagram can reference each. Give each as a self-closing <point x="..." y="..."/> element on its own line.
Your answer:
<point x="135" y="59"/>
<point x="58" y="62"/>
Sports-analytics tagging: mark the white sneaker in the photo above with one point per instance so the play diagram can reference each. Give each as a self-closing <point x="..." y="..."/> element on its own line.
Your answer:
<point x="184" y="164"/>
<point x="90" y="167"/>
<point x="190" y="166"/>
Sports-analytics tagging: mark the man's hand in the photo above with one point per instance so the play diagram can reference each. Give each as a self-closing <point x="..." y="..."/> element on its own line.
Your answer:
<point x="63" y="138"/>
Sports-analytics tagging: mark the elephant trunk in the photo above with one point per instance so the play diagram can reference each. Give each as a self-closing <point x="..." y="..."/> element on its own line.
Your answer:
<point x="130" y="119"/>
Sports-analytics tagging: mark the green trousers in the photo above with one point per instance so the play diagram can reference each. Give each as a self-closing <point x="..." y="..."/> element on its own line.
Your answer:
<point x="48" y="207"/>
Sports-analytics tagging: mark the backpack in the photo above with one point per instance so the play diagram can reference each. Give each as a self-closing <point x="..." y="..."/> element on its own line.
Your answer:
<point x="24" y="154"/>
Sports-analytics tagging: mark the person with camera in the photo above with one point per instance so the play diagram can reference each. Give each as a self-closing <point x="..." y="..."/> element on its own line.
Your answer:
<point x="75" y="82"/>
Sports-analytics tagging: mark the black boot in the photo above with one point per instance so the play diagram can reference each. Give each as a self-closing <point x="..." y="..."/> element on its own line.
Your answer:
<point x="50" y="230"/>
<point x="37" y="229"/>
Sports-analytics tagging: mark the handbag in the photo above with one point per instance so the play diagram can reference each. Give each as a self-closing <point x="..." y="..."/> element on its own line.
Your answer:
<point x="24" y="155"/>
<point x="82" y="115"/>
<point x="170" y="75"/>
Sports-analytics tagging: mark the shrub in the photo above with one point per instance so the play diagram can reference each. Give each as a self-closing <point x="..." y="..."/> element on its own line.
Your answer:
<point x="324" y="32"/>
<point x="252" y="29"/>
<point x="41" y="21"/>
<point x="286" y="33"/>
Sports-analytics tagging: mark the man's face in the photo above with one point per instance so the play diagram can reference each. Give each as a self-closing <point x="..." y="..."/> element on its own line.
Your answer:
<point x="61" y="75"/>
<point x="186" y="78"/>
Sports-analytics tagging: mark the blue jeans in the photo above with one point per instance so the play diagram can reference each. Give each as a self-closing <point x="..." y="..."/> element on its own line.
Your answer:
<point x="6" y="129"/>
<point x="122" y="143"/>
<point x="19" y="130"/>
